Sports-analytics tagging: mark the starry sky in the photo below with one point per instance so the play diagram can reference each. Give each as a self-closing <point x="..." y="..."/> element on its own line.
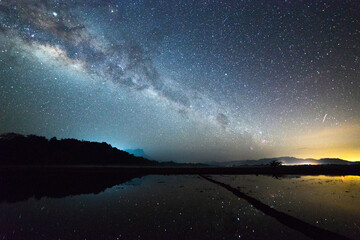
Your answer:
<point x="189" y="81"/>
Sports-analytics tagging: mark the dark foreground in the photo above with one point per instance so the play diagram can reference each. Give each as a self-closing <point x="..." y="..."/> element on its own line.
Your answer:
<point x="281" y="170"/>
<point x="18" y="183"/>
<point x="26" y="189"/>
<point x="120" y="206"/>
<point x="179" y="203"/>
<point x="305" y="228"/>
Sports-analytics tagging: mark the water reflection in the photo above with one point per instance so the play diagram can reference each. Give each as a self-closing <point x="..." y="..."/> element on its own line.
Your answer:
<point x="329" y="202"/>
<point x="305" y="228"/>
<point x="20" y="186"/>
<point x="186" y="207"/>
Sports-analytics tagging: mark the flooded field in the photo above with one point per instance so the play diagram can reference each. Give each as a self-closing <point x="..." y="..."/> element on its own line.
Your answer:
<point x="184" y="207"/>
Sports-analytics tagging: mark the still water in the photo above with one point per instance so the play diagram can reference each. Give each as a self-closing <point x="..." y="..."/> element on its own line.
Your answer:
<point x="178" y="207"/>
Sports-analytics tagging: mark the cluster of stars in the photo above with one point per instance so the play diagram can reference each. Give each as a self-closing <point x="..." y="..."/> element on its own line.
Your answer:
<point x="241" y="76"/>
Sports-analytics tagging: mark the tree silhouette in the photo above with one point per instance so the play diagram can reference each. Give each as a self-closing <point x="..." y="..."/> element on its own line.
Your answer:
<point x="16" y="149"/>
<point x="275" y="164"/>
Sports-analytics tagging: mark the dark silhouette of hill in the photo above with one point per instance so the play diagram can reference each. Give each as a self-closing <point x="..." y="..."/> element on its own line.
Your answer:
<point x="16" y="149"/>
<point x="138" y="152"/>
<point x="286" y="161"/>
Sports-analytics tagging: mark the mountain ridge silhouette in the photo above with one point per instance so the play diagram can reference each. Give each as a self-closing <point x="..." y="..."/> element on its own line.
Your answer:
<point x="17" y="149"/>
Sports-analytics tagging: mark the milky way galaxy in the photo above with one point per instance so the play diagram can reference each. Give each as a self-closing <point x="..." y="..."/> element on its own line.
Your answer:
<point x="185" y="80"/>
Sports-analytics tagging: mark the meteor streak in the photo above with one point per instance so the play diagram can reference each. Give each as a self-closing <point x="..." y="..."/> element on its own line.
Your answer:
<point x="324" y="118"/>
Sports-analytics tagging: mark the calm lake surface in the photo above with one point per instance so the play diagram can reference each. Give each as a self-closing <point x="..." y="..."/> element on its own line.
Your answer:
<point x="180" y="207"/>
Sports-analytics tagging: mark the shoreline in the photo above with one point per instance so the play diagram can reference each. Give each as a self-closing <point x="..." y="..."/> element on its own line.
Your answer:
<point x="166" y="170"/>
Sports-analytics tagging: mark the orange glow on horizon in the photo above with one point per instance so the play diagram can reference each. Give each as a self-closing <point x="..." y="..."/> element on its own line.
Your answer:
<point x="331" y="142"/>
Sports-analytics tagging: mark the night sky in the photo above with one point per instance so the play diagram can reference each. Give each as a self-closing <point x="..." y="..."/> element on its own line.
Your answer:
<point x="190" y="81"/>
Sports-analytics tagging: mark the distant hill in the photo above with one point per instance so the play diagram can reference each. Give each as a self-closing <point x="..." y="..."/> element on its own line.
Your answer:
<point x="285" y="161"/>
<point x="137" y="152"/>
<point x="16" y="149"/>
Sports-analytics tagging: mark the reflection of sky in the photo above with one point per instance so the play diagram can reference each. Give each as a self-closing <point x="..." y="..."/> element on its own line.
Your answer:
<point x="185" y="80"/>
<point x="190" y="207"/>
<point x="325" y="201"/>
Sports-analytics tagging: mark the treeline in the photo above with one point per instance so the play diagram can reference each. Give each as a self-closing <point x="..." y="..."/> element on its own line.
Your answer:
<point x="16" y="149"/>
